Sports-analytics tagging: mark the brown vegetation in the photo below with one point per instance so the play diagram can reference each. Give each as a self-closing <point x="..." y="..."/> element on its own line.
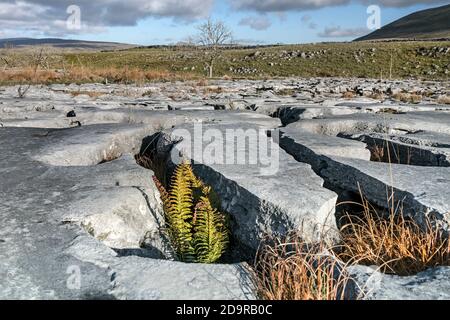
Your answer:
<point x="444" y="99"/>
<point x="82" y="74"/>
<point x="407" y="97"/>
<point x="295" y="270"/>
<point x="395" y="243"/>
<point x="348" y="95"/>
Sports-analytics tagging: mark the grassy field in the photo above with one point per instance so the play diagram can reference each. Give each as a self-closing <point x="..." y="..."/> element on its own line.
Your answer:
<point x="383" y="60"/>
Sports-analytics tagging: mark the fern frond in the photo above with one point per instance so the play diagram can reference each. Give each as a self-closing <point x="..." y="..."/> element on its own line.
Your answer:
<point x="195" y="226"/>
<point x="210" y="237"/>
<point x="179" y="214"/>
<point x="189" y="173"/>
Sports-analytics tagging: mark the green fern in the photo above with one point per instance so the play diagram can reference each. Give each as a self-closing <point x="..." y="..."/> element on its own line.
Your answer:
<point x="195" y="226"/>
<point x="210" y="237"/>
<point x="179" y="214"/>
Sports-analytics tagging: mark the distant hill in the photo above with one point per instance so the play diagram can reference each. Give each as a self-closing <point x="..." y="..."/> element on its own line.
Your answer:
<point x="63" y="44"/>
<point x="427" y="24"/>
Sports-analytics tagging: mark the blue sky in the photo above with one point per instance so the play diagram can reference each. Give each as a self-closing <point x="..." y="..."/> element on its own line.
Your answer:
<point x="148" y="22"/>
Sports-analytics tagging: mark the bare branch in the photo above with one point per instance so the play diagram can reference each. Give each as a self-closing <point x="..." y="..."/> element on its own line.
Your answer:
<point x="214" y="34"/>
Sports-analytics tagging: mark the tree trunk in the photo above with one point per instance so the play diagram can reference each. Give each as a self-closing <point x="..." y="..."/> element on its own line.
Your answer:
<point x="211" y="66"/>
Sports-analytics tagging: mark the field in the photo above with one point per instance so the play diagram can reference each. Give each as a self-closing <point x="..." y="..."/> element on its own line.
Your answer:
<point x="382" y="60"/>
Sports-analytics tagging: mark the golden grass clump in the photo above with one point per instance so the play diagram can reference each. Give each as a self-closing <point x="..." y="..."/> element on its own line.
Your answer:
<point x="202" y="83"/>
<point x="407" y="97"/>
<point x="90" y="94"/>
<point x="444" y="99"/>
<point x="28" y="75"/>
<point x="213" y="90"/>
<point x="81" y="74"/>
<point x="376" y="96"/>
<point x="296" y="270"/>
<point x="348" y="95"/>
<point x="396" y="244"/>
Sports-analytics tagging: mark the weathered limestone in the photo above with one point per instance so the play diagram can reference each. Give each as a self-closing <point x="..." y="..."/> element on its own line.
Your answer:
<point x="47" y="210"/>
<point x="344" y="170"/>
<point x="269" y="195"/>
<point x="417" y="149"/>
<point x="137" y="278"/>
<point x="74" y="201"/>
<point x="433" y="284"/>
<point x="379" y="123"/>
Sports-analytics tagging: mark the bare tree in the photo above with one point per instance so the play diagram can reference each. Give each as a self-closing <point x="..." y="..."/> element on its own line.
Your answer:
<point x="37" y="59"/>
<point x="214" y="35"/>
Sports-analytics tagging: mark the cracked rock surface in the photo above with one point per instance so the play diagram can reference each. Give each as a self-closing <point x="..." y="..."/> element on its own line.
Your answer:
<point x="81" y="220"/>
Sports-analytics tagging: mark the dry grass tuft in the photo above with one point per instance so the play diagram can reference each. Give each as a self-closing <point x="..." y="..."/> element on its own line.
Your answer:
<point x="444" y="99"/>
<point x="407" y="97"/>
<point x="295" y="270"/>
<point x="91" y="94"/>
<point x="288" y="92"/>
<point x="395" y="244"/>
<point x="348" y="95"/>
<point x="390" y="111"/>
<point x="80" y="74"/>
<point x="213" y="90"/>
<point x="377" y="153"/>
<point x="202" y="83"/>
<point x="376" y="96"/>
<point x="28" y="75"/>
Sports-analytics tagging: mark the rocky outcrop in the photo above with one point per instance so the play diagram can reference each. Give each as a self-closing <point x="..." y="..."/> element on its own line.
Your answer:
<point x="432" y="284"/>
<point x="266" y="191"/>
<point x="345" y="165"/>
<point x="79" y="219"/>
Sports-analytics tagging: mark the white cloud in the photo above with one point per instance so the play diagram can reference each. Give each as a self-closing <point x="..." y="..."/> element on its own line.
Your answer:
<point x="291" y="5"/>
<point x="49" y="16"/>
<point x="256" y="23"/>
<point x="339" y="32"/>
